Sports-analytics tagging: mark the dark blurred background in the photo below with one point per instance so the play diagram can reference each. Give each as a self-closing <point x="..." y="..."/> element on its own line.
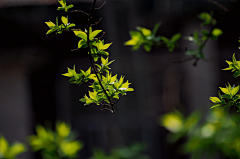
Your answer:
<point x="33" y="91"/>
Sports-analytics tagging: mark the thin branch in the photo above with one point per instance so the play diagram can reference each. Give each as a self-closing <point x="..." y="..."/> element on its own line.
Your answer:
<point x="101" y="36"/>
<point x="96" y="23"/>
<point x="219" y="5"/>
<point x="78" y="11"/>
<point x="184" y="60"/>
<point x="75" y="49"/>
<point x="91" y="58"/>
<point x="101" y="5"/>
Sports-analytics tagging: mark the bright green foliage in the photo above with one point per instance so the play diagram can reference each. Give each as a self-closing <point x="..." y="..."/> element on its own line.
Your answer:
<point x="105" y="88"/>
<point x="79" y="78"/>
<point x="64" y="5"/>
<point x="176" y="123"/>
<point x="234" y="66"/>
<point x="55" y="145"/>
<point x="144" y="37"/>
<point x="10" y="151"/>
<point x="171" y="43"/>
<point x="114" y="88"/>
<point x="147" y="38"/>
<point x="230" y="98"/>
<point x="135" y="151"/>
<point x="219" y="134"/>
<point x="199" y="39"/>
<point x="207" y="18"/>
<point x="104" y="66"/>
<point x="59" y="28"/>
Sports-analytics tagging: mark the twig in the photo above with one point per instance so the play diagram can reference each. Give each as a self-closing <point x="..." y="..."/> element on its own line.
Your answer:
<point x="78" y="11"/>
<point x="74" y="49"/>
<point x="101" y="36"/>
<point x="219" y="5"/>
<point x="184" y="60"/>
<point x="101" y="5"/>
<point x="96" y="23"/>
<point x="91" y="58"/>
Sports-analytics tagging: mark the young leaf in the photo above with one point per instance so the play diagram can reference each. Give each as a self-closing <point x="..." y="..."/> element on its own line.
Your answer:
<point x="94" y="33"/>
<point x="235" y="90"/>
<point x="224" y="90"/>
<point x="145" y="32"/>
<point x="156" y="27"/>
<point x="215" y="99"/>
<point x="217" y="105"/>
<point x="175" y="38"/>
<point x="81" y="43"/>
<point x="64" y="20"/>
<point x="106" y="46"/>
<point x="81" y="34"/>
<point x="217" y="32"/>
<point x="50" y="24"/>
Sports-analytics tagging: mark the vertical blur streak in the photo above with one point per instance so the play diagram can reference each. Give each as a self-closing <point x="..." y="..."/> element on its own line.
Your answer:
<point x="15" y="114"/>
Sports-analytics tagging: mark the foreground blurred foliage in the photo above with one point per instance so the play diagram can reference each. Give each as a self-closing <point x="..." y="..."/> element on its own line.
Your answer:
<point x="217" y="136"/>
<point x="135" y="151"/>
<point x="56" y="145"/>
<point x="10" y="151"/>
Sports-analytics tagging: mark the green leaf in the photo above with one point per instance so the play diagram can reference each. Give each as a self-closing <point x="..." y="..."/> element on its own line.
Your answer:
<point x="224" y="90"/>
<point x="217" y="105"/>
<point x="62" y="2"/>
<point x="70" y="6"/>
<point x="217" y="32"/>
<point x="215" y="99"/>
<point x="94" y="33"/>
<point x="50" y="31"/>
<point x="156" y="27"/>
<point x="136" y="39"/>
<point x="236" y="74"/>
<point x="130" y="89"/>
<point x="205" y="32"/>
<point x="4" y="147"/>
<point x="147" y="47"/>
<point x="175" y="37"/>
<point x="61" y="8"/>
<point x="195" y="36"/>
<point x="64" y="20"/>
<point x="16" y="149"/>
<point x="227" y="96"/>
<point x="165" y="40"/>
<point x="235" y="90"/>
<point x="81" y="43"/>
<point x="205" y="16"/>
<point x="81" y="34"/>
<point x="71" y="25"/>
<point x="106" y="46"/>
<point x="50" y="24"/>
<point x="145" y="31"/>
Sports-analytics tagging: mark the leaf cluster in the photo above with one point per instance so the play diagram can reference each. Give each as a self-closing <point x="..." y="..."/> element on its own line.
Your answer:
<point x="147" y="38"/>
<point x="230" y="98"/>
<point x="106" y="89"/>
<point x="234" y="66"/>
<point x="56" y="145"/>
<point x="134" y="151"/>
<point x="59" y="28"/>
<point x="64" y="5"/>
<point x="200" y="38"/>
<point x="114" y="87"/>
<point x="219" y="134"/>
<point x="10" y="151"/>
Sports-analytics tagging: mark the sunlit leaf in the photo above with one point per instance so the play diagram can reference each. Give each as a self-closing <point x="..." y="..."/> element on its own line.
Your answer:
<point x="94" y="33"/>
